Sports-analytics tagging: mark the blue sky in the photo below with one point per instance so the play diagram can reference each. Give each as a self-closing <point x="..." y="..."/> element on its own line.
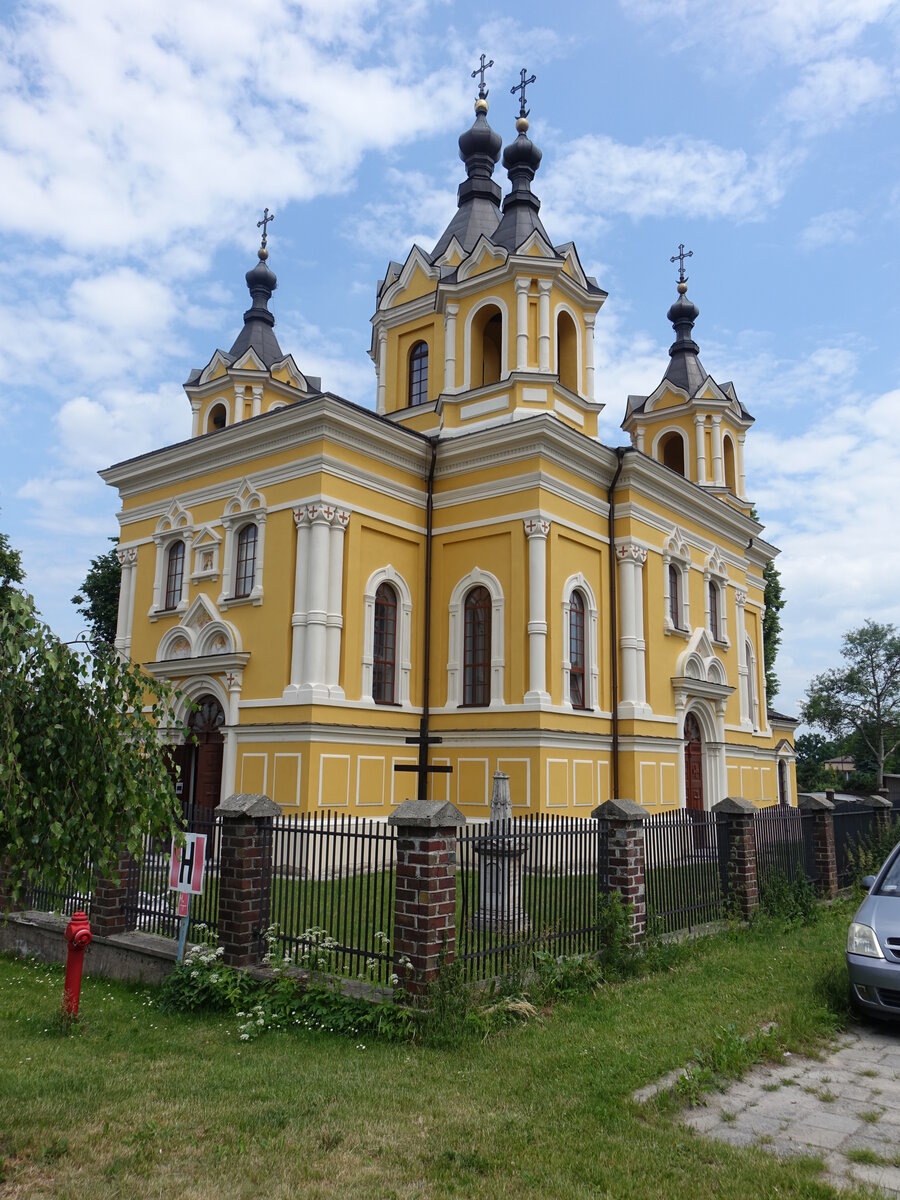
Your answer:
<point x="139" y="144"/>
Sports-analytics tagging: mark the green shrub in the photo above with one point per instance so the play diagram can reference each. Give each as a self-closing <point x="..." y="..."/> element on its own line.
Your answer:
<point x="788" y="901"/>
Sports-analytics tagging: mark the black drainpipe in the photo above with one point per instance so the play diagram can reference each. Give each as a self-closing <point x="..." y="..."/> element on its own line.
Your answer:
<point x="422" y="791"/>
<point x="621" y="451"/>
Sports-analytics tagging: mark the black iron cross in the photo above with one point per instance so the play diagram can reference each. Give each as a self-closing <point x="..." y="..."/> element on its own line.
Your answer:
<point x="263" y="224"/>
<point x="681" y="256"/>
<point x="482" y="94"/>
<point x="520" y="87"/>
<point x="421" y="768"/>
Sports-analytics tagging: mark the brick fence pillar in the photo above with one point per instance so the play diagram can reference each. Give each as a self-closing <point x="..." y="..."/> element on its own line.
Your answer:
<point x="108" y="899"/>
<point x="884" y="811"/>
<point x="740" y="850"/>
<point x="245" y="876"/>
<point x="819" y="813"/>
<point x="624" y="822"/>
<point x="424" y="890"/>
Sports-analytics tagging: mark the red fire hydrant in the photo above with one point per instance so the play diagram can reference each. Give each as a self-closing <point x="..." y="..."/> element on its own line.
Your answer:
<point x="78" y="935"/>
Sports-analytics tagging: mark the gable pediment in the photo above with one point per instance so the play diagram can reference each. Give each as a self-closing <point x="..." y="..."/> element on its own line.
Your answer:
<point x="537" y="246"/>
<point x="175" y="517"/>
<point x="248" y="362"/>
<point x="216" y="368"/>
<point x="699" y="663"/>
<point x="452" y="256"/>
<point x="485" y="257"/>
<point x="417" y="278"/>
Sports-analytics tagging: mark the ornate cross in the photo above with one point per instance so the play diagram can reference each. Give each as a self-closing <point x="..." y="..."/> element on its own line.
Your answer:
<point x="263" y="224"/>
<point x="520" y="87"/>
<point x="482" y="94"/>
<point x="681" y="256"/>
<point x="422" y="769"/>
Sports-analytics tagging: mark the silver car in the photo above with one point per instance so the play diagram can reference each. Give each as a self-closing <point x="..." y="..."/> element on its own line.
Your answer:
<point x="873" y="944"/>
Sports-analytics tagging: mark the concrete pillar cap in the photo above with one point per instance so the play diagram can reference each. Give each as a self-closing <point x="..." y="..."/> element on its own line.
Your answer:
<point x="248" y="804"/>
<point x="623" y="810"/>
<point x="807" y="802"/>
<point x="426" y="814"/>
<point x="735" y="806"/>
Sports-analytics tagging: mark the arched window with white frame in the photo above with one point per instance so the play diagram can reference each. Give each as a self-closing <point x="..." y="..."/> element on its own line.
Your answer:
<point x="245" y="566"/>
<point x="476" y="666"/>
<point x="173" y="537"/>
<point x="174" y="575"/>
<point x="715" y="578"/>
<point x="244" y="521"/>
<point x="387" y="620"/>
<point x="581" y="678"/>
<point x="676" y="584"/>
<point x="417" y="387"/>
<point x="750" y="684"/>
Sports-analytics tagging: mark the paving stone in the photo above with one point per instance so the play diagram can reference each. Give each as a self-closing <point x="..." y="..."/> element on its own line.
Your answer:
<point x="812" y="1136"/>
<point x="839" y="1123"/>
<point x="886" y="1178"/>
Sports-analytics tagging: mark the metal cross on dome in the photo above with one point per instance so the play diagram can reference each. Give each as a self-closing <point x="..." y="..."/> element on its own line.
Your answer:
<point x="520" y="87"/>
<point x="482" y="93"/>
<point x="681" y="256"/>
<point x="263" y="225"/>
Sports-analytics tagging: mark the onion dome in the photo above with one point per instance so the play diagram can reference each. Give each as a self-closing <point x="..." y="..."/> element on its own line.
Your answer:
<point x="258" y="333"/>
<point x="685" y="370"/>
<point x="521" y="206"/>
<point x="478" y="197"/>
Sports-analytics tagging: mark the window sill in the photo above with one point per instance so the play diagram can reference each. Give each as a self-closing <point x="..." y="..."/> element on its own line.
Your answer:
<point x="678" y="631"/>
<point x="237" y="601"/>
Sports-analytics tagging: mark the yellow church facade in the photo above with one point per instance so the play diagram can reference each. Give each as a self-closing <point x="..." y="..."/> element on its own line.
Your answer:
<point x="462" y="577"/>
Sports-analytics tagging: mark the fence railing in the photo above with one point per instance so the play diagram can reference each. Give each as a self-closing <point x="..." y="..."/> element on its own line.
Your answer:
<point x="530" y="883"/>
<point x="783" y="846"/>
<point x="686" y="870"/>
<point x="851" y="827"/>
<point x="332" y="893"/>
<point x="67" y="899"/>
<point x="149" y="904"/>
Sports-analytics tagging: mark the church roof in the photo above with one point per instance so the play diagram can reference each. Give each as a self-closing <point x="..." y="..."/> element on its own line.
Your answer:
<point x="478" y="197"/>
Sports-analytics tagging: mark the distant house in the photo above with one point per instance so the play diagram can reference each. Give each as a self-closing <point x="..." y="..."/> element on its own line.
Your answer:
<point x="841" y="766"/>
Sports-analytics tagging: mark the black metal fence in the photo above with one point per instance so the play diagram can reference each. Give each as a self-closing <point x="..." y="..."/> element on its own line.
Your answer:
<point x="332" y="894"/>
<point x="533" y="883"/>
<point x="149" y="904"/>
<point x="67" y="899"/>
<point x="686" y="870"/>
<point x="783" y="846"/>
<point x="851" y="828"/>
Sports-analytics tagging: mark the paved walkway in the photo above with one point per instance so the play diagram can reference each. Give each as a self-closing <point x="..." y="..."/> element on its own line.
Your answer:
<point x="844" y="1108"/>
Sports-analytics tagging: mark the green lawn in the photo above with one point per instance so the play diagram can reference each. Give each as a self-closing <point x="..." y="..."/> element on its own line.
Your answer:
<point x="138" y="1104"/>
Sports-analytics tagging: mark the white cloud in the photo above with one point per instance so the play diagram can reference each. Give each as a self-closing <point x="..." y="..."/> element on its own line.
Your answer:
<point x="117" y="423"/>
<point x="338" y="357"/>
<point x="417" y="211"/>
<point x="748" y="33"/>
<point x="595" y="177"/>
<point x="831" y="93"/>
<point x="837" y="227"/>
<point x="765" y="380"/>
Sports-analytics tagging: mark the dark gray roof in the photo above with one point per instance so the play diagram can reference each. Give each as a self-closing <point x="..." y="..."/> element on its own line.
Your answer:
<point x="478" y="198"/>
<point x="259" y="337"/>
<point x="777" y="716"/>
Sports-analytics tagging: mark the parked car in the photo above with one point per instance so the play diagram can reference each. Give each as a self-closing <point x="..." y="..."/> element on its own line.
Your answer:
<point x="873" y="944"/>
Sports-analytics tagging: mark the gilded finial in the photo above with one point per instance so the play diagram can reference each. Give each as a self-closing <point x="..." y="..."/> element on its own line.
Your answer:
<point x="679" y="258"/>
<point x="262" y="253"/>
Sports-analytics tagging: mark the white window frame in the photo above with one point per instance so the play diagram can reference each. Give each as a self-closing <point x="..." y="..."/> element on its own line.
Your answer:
<point x="175" y="525"/>
<point x="752" y="689"/>
<point x="591" y="670"/>
<point x="456" y="640"/>
<point x="677" y="554"/>
<point x="715" y="573"/>
<point x="246" y="507"/>
<point x="402" y="662"/>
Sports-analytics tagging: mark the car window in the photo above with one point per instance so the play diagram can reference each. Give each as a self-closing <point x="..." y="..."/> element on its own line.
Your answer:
<point x="890" y="885"/>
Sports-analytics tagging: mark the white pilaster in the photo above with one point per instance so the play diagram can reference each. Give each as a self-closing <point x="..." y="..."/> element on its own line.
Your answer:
<point x="233" y="681"/>
<point x="314" y="687"/>
<point x="238" y="402"/>
<point x="522" y="288"/>
<point x="450" y="347"/>
<point x="195" y="417"/>
<point x="335" y="620"/>
<point x="125" y="616"/>
<point x="536" y="532"/>
<point x="700" y="432"/>
<point x="298" y="618"/>
<point x="633" y="694"/>
<point x="380" y="354"/>
<point x="742" y="478"/>
<point x="589" y="319"/>
<point x="257" y="399"/>
<point x="718" y="473"/>
<point x="740" y="599"/>
<point x="639" y="438"/>
<point x="544" y="286"/>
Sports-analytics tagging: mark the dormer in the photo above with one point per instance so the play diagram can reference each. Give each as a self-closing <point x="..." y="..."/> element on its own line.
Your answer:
<point x="690" y="423"/>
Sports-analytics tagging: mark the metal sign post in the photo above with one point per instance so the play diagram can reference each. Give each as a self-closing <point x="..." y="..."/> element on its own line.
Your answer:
<point x="186" y="870"/>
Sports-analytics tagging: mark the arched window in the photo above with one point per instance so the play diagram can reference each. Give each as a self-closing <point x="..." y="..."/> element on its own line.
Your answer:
<point x="477" y="648"/>
<point x="728" y="455"/>
<point x="567" y="351"/>
<point x="218" y="418"/>
<point x="174" y="574"/>
<point x="487" y="345"/>
<point x="245" y="567"/>
<point x="714" y="610"/>
<point x="418" y="374"/>
<point x="384" y="649"/>
<point x="674" y="596"/>
<point x="576" y="650"/>
<point x="671" y="452"/>
<point x="750" y="663"/>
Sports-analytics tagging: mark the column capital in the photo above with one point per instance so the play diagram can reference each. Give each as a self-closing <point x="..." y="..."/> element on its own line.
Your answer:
<point x="740" y="598"/>
<point x="538" y="527"/>
<point x="716" y="418"/>
<point x="589" y="319"/>
<point x="544" y="286"/>
<point x="523" y="283"/>
<point x="626" y="551"/>
<point x="451" y="309"/>
<point x="699" y="419"/>
<point x="128" y="557"/>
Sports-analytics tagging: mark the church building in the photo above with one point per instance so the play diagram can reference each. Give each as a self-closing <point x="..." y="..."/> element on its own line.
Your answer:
<point x="361" y="605"/>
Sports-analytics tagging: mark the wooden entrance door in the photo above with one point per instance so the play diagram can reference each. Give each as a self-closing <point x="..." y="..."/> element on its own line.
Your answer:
<point x="209" y="747"/>
<point x="693" y="764"/>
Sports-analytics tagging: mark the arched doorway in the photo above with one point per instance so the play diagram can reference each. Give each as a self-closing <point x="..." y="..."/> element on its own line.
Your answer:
<point x="693" y="764"/>
<point x="205" y="724"/>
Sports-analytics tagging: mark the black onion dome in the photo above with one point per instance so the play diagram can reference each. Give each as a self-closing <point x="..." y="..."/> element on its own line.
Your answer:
<point x="685" y="369"/>
<point x="521" y="206"/>
<point x="522" y="155"/>
<point x="258" y="333"/>
<point x="478" y="197"/>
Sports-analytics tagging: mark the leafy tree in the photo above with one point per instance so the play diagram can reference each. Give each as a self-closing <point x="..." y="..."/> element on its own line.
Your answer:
<point x="813" y="751"/>
<point x="774" y="601"/>
<point x="82" y="772"/>
<point x="11" y="572"/>
<point x="98" y="600"/>
<point x="863" y="696"/>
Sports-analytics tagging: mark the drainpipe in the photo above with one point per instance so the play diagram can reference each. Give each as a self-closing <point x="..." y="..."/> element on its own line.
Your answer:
<point x="621" y="451"/>
<point x="422" y="790"/>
